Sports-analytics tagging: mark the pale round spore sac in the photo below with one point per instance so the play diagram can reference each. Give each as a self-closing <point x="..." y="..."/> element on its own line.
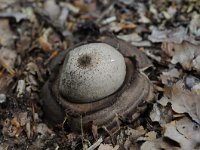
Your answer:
<point x="91" y="72"/>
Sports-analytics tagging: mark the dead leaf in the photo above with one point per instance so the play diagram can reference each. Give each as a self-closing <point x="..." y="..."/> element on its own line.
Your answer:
<point x="170" y="76"/>
<point x="182" y="101"/>
<point x="7" y="59"/>
<point x="149" y="145"/>
<point x="5" y="82"/>
<point x="116" y="27"/>
<point x="149" y="136"/>
<point x="43" y="130"/>
<point x="135" y="133"/>
<point x="159" y="144"/>
<point x="7" y="37"/>
<point x="52" y="9"/>
<point x="18" y="16"/>
<point x="195" y="24"/>
<point x="23" y="118"/>
<point x="176" y="35"/>
<point x="130" y="37"/>
<point x="108" y="147"/>
<point x="161" y="114"/>
<point x="43" y="40"/>
<point x="185" y="132"/>
<point x="186" y="54"/>
<point x="15" y="122"/>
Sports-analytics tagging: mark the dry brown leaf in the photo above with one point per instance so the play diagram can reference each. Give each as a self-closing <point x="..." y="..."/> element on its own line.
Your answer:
<point x="185" y="132"/>
<point x="149" y="145"/>
<point x="187" y="54"/>
<point x="161" y="114"/>
<point x="7" y="59"/>
<point x="130" y="37"/>
<point x="43" y="41"/>
<point x="7" y="36"/>
<point x="52" y="9"/>
<point x="135" y="133"/>
<point x="23" y="118"/>
<point x="170" y="76"/>
<point x="116" y="27"/>
<point x="15" y="122"/>
<point x="42" y="129"/>
<point x="185" y="101"/>
<point x="5" y="81"/>
<point x="150" y="136"/>
<point x="108" y="147"/>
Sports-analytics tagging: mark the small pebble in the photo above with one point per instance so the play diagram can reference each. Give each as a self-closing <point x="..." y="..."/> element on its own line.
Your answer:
<point x="2" y="98"/>
<point x="191" y="81"/>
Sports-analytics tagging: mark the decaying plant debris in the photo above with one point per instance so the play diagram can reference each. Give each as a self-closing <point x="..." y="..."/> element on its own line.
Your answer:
<point x="34" y="33"/>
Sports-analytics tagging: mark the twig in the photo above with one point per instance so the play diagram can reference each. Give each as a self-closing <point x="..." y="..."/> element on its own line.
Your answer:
<point x="104" y="13"/>
<point x="82" y="135"/>
<point x="96" y="144"/>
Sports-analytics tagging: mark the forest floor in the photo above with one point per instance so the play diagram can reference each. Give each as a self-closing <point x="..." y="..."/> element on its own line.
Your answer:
<point x="34" y="32"/>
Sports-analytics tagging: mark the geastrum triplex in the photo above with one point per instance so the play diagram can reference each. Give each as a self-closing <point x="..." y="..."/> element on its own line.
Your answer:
<point x="97" y="82"/>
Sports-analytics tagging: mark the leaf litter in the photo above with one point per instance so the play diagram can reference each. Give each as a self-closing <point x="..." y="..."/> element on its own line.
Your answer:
<point x="35" y="32"/>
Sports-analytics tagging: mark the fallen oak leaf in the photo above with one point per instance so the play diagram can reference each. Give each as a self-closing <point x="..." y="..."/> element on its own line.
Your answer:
<point x="184" y="101"/>
<point x="186" y="54"/>
<point x="183" y="131"/>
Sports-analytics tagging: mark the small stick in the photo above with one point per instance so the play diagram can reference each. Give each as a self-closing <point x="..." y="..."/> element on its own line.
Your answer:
<point x="96" y="144"/>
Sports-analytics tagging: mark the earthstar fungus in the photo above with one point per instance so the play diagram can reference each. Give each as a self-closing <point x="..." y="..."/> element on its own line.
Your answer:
<point x="97" y="82"/>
